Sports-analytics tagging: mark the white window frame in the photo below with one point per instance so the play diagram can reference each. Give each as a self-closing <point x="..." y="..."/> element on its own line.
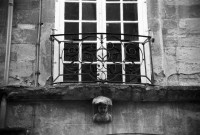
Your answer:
<point x="142" y="29"/>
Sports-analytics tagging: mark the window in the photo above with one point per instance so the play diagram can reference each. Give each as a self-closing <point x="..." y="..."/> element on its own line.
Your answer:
<point x="99" y="41"/>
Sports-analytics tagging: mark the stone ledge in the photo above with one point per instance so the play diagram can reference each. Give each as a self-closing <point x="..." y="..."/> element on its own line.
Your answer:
<point x="115" y="92"/>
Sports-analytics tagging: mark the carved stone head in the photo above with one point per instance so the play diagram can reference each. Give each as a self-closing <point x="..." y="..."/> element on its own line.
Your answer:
<point x="102" y="109"/>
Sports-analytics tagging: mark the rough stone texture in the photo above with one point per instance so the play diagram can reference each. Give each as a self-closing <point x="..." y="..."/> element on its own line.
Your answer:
<point x="3" y="25"/>
<point x="75" y="117"/>
<point x="174" y="24"/>
<point x="68" y="109"/>
<point x="22" y="64"/>
<point x="48" y="20"/>
<point x="115" y="92"/>
<point x="177" y="61"/>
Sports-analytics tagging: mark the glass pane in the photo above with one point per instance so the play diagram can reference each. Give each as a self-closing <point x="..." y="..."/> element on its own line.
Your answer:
<point x="131" y="28"/>
<point x="89" y="52"/>
<point x="71" y="28"/>
<point x="89" y="11"/>
<point x="129" y="0"/>
<point x="112" y="0"/>
<point x="133" y="73"/>
<point x="71" y="52"/>
<point x="89" y="28"/>
<point x="70" y="72"/>
<point x="114" y="72"/>
<point x="113" y="28"/>
<point x="130" y="12"/>
<point x="112" y="12"/>
<point x="132" y="52"/>
<point x="114" y="52"/>
<point x="89" y="72"/>
<point x="71" y="11"/>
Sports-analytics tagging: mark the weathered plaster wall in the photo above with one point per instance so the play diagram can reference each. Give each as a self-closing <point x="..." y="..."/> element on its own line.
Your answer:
<point x="175" y="26"/>
<point x="75" y="118"/>
<point x="24" y="38"/>
<point x="67" y="110"/>
<point x="3" y="25"/>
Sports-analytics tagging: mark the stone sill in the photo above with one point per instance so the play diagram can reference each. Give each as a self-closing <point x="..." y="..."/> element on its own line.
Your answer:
<point x="116" y="92"/>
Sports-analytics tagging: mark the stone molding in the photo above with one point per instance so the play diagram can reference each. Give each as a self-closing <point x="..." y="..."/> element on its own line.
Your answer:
<point x="116" y="92"/>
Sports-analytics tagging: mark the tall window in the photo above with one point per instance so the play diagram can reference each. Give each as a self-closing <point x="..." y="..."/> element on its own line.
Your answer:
<point x="112" y="55"/>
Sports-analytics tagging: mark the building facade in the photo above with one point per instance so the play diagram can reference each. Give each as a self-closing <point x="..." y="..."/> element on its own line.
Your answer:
<point x="167" y="103"/>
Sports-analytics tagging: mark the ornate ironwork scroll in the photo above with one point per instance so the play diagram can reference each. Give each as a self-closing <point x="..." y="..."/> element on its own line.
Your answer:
<point x="103" y="57"/>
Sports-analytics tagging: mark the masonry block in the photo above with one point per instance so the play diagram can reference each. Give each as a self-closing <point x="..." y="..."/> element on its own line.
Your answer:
<point x="170" y="41"/>
<point x="26" y="4"/>
<point x="45" y="51"/>
<point x="173" y="80"/>
<point x="2" y="66"/>
<point x="187" y="2"/>
<point x="2" y="52"/>
<point x="3" y="31"/>
<point x="24" y="36"/>
<point x="169" y="12"/>
<point x="189" y="11"/>
<point x="189" y="79"/>
<point x="156" y="45"/>
<point x="154" y="25"/>
<point x="169" y="32"/>
<point x="188" y="67"/>
<point x="189" y="26"/>
<point x="24" y="52"/>
<point x="188" y="54"/>
<point x="48" y="10"/>
<point x="3" y="13"/>
<point x="153" y="8"/>
<point x="75" y="117"/>
<point x="20" y="115"/>
<point x="170" y="23"/>
<point x="173" y="120"/>
<point x="170" y="2"/>
<point x="194" y="123"/>
<point x="171" y="63"/>
<point x="25" y="17"/>
<point x="21" y="69"/>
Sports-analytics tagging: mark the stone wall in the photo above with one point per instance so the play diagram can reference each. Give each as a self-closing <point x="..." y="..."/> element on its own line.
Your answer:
<point x="75" y="118"/>
<point x="24" y="38"/>
<point x="68" y="110"/>
<point x="174" y="25"/>
<point x="3" y="25"/>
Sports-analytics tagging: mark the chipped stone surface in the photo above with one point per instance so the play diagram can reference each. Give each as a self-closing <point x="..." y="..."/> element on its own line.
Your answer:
<point x="75" y="117"/>
<point x="26" y="26"/>
<point x="3" y="24"/>
<point x="171" y="108"/>
<point x="114" y="92"/>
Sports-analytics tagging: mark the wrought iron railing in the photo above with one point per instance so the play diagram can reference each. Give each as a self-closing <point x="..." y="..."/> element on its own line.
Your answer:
<point x="102" y="57"/>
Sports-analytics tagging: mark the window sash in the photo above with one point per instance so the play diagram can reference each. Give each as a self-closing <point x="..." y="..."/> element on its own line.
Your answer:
<point x="101" y="27"/>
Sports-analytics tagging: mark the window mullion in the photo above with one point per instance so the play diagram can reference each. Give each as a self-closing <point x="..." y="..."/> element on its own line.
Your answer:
<point x="61" y="45"/>
<point x="100" y="42"/>
<point x="80" y="43"/>
<point x="122" y="45"/>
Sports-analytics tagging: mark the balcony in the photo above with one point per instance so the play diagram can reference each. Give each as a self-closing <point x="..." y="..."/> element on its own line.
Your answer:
<point x="101" y="58"/>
